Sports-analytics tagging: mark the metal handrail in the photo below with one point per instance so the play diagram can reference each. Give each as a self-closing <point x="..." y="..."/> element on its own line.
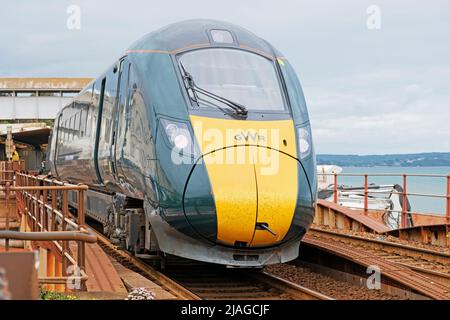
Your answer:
<point x="86" y="236"/>
<point x="405" y="193"/>
<point x="387" y="175"/>
<point x="37" y="199"/>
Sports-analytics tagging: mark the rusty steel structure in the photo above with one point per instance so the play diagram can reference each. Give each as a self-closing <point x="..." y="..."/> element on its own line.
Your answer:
<point x="431" y="263"/>
<point x="404" y="193"/>
<point x="335" y="216"/>
<point x="43" y="207"/>
<point x="4" y="292"/>
<point x="7" y="170"/>
<point x="448" y="199"/>
<point x="358" y="253"/>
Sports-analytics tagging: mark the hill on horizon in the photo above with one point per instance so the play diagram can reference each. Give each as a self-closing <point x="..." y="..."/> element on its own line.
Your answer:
<point x="428" y="159"/>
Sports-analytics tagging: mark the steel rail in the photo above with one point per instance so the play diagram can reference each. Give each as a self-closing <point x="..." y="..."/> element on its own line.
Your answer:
<point x="295" y="290"/>
<point x="438" y="256"/>
<point x="172" y="286"/>
<point x="441" y="277"/>
<point x="402" y="274"/>
<point x="177" y="288"/>
<point x="431" y="263"/>
<point x="216" y="282"/>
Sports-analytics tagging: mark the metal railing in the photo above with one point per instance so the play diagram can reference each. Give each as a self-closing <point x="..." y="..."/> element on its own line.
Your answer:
<point x="7" y="170"/>
<point x="404" y="193"/>
<point x="43" y="203"/>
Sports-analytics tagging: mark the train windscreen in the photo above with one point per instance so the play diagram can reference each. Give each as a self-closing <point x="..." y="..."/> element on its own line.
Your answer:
<point x="240" y="76"/>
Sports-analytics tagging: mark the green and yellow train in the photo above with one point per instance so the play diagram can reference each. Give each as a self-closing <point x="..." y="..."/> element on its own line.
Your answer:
<point x="195" y="143"/>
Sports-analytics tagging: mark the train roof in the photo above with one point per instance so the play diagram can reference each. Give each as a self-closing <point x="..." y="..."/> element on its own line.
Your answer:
<point x="190" y="34"/>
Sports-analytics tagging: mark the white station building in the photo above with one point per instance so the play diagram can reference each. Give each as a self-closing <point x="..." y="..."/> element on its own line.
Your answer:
<point x="26" y="104"/>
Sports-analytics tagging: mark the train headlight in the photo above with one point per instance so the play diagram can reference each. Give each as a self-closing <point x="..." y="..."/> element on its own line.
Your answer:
<point x="304" y="141"/>
<point x="179" y="136"/>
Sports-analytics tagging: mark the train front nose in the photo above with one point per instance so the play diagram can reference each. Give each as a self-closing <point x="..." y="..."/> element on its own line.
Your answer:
<point x="252" y="181"/>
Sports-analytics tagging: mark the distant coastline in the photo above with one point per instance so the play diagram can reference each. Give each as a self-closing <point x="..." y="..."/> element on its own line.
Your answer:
<point x="430" y="159"/>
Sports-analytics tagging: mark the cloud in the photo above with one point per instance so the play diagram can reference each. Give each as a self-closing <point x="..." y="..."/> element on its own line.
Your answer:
<point x="368" y="91"/>
<point x="382" y="111"/>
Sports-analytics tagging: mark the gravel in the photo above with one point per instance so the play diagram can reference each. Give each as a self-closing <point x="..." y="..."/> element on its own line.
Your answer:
<point x="326" y="285"/>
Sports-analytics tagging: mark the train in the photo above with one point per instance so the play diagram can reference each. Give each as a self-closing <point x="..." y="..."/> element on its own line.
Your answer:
<point x="195" y="143"/>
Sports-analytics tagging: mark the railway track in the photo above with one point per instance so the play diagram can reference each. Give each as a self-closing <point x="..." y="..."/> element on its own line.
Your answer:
<point x="434" y="256"/>
<point x="431" y="263"/>
<point x="192" y="280"/>
<point x="214" y="282"/>
<point x="133" y="263"/>
<point x="422" y="270"/>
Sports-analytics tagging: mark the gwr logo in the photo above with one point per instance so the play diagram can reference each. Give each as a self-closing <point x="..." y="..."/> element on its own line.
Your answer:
<point x="249" y="136"/>
<point x="235" y="146"/>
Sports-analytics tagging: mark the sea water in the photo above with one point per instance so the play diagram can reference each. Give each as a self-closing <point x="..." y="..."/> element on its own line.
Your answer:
<point x="428" y="185"/>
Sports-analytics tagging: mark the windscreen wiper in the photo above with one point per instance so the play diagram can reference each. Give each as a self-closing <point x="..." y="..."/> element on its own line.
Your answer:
<point x="190" y="84"/>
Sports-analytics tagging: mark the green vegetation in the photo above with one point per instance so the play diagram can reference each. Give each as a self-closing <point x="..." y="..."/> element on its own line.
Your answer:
<point x="432" y="159"/>
<point x="50" y="295"/>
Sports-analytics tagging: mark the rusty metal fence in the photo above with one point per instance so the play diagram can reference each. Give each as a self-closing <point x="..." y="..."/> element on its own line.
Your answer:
<point x="7" y="170"/>
<point x="43" y="204"/>
<point x="404" y="193"/>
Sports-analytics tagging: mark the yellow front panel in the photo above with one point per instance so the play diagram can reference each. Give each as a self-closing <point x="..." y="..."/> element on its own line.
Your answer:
<point x="277" y="198"/>
<point x="234" y="190"/>
<point x="251" y="180"/>
<point x="213" y="134"/>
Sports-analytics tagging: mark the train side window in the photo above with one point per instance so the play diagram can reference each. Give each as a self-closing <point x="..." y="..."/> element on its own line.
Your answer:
<point x="69" y="94"/>
<point x="88" y="122"/>
<point x="107" y="130"/>
<point x="92" y="91"/>
<point x="58" y="138"/>
<point x="70" y="129"/>
<point x="127" y="89"/>
<point x="83" y="117"/>
<point x="60" y="129"/>
<point x="77" y="124"/>
<point x="94" y="121"/>
<point x="80" y="126"/>
<point x="64" y="130"/>
<point x="131" y="89"/>
<point x="74" y="128"/>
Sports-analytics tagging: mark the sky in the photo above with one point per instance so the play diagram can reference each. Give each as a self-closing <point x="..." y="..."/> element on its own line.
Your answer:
<point x="376" y="74"/>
